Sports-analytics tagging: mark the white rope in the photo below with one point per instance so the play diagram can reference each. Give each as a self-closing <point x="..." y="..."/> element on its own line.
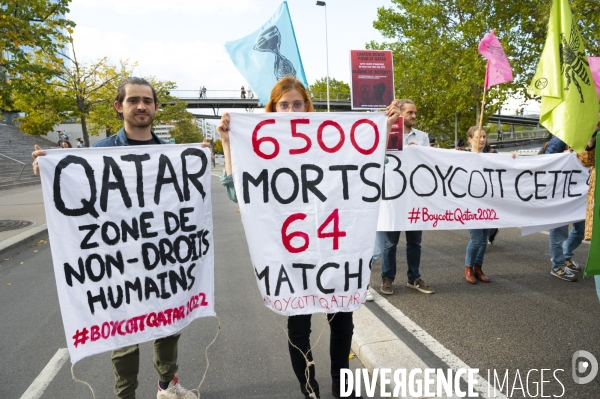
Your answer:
<point x="309" y="363"/>
<point x="206" y="356"/>
<point x="81" y="382"/>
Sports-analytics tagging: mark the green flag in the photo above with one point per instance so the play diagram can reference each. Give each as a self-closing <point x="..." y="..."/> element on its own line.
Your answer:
<point x="593" y="263"/>
<point x="569" y="101"/>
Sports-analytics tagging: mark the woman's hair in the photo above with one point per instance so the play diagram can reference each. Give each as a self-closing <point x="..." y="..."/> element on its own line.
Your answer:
<point x="283" y="86"/>
<point x="66" y="141"/>
<point x="472" y="130"/>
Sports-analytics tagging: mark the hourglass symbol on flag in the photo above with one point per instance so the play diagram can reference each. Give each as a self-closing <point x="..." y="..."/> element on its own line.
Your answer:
<point x="270" y="41"/>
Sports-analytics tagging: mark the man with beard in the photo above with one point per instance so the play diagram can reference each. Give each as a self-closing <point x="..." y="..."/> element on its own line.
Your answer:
<point x="388" y="240"/>
<point x="136" y="104"/>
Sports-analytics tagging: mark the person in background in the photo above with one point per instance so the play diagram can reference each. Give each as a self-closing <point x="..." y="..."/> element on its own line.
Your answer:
<point x="562" y="241"/>
<point x="65" y="144"/>
<point x="243" y="92"/>
<point x="588" y="159"/>
<point x="80" y="143"/>
<point x="460" y="146"/>
<point x="290" y="95"/>
<point x="388" y="240"/>
<point x="479" y="237"/>
<point x="62" y="136"/>
<point x="250" y="93"/>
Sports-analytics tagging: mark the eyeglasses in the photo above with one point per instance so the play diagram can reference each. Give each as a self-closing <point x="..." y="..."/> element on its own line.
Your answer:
<point x="296" y="105"/>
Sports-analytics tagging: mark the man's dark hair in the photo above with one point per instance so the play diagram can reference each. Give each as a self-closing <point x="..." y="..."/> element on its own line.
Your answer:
<point x="132" y="81"/>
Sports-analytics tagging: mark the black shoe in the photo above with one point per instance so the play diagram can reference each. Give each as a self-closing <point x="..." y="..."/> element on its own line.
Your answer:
<point x="492" y="236"/>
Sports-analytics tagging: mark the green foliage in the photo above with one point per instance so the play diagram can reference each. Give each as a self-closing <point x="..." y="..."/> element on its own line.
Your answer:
<point x="218" y="147"/>
<point x="85" y="92"/>
<point x="30" y="27"/>
<point x="436" y="62"/>
<point x="337" y="89"/>
<point x="186" y="131"/>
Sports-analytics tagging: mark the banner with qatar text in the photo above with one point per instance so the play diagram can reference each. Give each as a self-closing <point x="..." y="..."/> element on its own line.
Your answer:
<point x="131" y="235"/>
<point x="436" y="189"/>
<point x="308" y="186"/>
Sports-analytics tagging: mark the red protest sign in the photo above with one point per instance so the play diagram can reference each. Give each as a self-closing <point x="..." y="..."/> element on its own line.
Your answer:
<point x="372" y="79"/>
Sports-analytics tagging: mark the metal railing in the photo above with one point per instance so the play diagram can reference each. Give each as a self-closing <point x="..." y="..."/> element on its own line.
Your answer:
<point x="519" y="135"/>
<point x="12" y="159"/>
<point x="235" y="94"/>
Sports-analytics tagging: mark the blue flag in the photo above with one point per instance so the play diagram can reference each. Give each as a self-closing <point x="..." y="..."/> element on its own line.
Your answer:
<point x="269" y="54"/>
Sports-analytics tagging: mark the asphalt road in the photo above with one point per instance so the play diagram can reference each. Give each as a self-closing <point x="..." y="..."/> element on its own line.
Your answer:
<point x="249" y="359"/>
<point x="524" y="319"/>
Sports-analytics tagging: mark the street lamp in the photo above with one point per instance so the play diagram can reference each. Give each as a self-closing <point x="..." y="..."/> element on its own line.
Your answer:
<point x="322" y="3"/>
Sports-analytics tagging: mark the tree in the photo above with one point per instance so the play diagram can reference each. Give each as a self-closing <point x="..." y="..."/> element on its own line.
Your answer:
<point x="218" y="147"/>
<point x="436" y="62"/>
<point x="28" y="27"/>
<point x="77" y="88"/>
<point x="337" y="89"/>
<point x="187" y="131"/>
<point x="85" y="92"/>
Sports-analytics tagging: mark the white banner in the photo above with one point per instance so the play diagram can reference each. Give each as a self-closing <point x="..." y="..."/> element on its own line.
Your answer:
<point x="132" y="244"/>
<point x="435" y="189"/>
<point x="308" y="186"/>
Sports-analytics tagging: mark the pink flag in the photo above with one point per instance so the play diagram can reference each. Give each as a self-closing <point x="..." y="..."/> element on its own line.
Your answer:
<point x="595" y="68"/>
<point x="498" y="69"/>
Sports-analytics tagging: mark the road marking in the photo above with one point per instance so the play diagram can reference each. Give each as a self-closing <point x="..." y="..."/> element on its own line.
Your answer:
<point x="39" y="385"/>
<point x="433" y="345"/>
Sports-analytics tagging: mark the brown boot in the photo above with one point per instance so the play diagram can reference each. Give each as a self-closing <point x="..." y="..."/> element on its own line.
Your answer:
<point x="479" y="274"/>
<point x="469" y="275"/>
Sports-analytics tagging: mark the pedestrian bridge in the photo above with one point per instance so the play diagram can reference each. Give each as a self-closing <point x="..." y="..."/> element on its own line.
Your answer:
<point x="231" y="99"/>
<point x="340" y="102"/>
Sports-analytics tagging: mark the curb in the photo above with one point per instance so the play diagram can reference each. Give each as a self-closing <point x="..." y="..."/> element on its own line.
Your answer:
<point x="378" y="347"/>
<point x="24" y="239"/>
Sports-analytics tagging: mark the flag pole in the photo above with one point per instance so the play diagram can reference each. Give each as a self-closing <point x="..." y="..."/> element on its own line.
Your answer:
<point x="482" y="106"/>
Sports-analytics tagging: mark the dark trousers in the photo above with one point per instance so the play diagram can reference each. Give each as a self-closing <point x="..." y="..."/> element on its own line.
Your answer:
<point x="299" y="328"/>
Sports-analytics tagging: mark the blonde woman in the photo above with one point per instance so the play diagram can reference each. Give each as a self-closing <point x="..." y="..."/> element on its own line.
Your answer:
<point x="479" y="237"/>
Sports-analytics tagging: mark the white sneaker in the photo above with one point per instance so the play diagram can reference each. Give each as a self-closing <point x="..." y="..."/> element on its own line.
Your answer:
<point x="175" y="391"/>
<point x="369" y="297"/>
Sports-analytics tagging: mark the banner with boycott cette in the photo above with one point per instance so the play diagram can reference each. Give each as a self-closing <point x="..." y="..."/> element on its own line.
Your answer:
<point x="132" y="242"/>
<point x="308" y="187"/>
<point x="436" y="189"/>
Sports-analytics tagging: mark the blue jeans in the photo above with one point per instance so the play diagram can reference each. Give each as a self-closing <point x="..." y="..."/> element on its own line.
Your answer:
<point x="389" y="241"/>
<point x="476" y="247"/>
<point x="379" y="244"/>
<point x="563" y="242"/>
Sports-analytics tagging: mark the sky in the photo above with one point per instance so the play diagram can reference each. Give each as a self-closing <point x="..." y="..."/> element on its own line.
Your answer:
<point x="183" y="40"/>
